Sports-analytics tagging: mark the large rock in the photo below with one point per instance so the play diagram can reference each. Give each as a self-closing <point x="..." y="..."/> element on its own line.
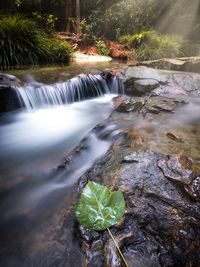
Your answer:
<point x="164" y="63"/>
<point x="8" y="80"/>
<point x="161" y="226"/>
<point x="141" y="80"/>
<point x="9" y="99"/>
<point x="189" y="64"/>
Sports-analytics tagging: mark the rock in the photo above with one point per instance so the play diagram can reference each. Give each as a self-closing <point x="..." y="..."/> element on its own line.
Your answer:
<point x="162" y="216"/>
<point x="164" y="63"/>
<point x="180" y="169"/>
<point x="131" y="104"/>
<point x="141" y="80"/>
<point x="173" y="169"/>
<point x="132" y="158"/>
<point x="150" y="105"/>
<point x="9" y="99"/>
<point x="169" y="89"/>
<point x="189" y="82"/>
<point x="141" y="72"/>
<point x="144" y="86"/>
<point x="7" y="80"/>
<point x="189" y="64"/>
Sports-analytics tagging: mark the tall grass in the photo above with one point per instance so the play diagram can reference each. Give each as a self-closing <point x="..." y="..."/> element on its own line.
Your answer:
<point x="152" y="45"/>
<point x="22" y="43"/>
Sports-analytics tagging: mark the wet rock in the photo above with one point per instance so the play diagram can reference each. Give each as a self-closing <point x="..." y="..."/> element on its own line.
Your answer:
<point x="141" y="80"/>
<point x="169" y="90"/>
<point x="9" y="99"/>
<point x="161" y="220"/>
<point x="166" y="82"/>
<point x="180" y="169"/>
<point x="143" y="86"/>
<point x="131" y="104"/>
<point x="7" y="80"/>
<point x="164" y="63"/>
<point x="141" y="72"/>
<point x="132" y="158"/>
<point x="189" y="64"/>
<point x="189" y="82"/>
<point x="88" y="235"/>
<point x="158" y="104"/>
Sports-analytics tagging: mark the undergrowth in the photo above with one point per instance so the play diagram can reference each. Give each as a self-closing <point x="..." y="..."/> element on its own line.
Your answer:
<point x="149" y="45"/>
<point x="23" y="43"/>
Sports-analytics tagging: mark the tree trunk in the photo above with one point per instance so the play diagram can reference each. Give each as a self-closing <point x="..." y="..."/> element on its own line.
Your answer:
<point x="78" y="18"/>
<point x="68" y="15"/>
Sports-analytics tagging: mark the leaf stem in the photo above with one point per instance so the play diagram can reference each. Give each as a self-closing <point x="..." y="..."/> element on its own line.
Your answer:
<point x="120" y="253"/>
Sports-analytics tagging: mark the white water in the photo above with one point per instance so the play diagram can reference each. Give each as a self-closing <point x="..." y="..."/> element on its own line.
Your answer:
<point x="41" y="138"/>
<point x="35" y="95"/>
<point x="34" y="142"/>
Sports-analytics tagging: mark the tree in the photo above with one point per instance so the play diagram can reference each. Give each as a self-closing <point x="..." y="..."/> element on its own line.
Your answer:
<point x="78" y="18"/>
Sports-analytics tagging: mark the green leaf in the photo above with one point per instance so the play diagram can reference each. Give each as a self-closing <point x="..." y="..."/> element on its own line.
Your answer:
<point x="100" y="208"/>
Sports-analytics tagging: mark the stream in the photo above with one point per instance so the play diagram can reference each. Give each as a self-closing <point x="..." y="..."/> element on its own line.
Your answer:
<point x="35" y="193"/>
<point x="73" y="128"/>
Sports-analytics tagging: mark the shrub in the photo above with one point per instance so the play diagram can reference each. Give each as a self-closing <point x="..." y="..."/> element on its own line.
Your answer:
<point x="22" y="43"/>
<point x="102" y="48"/>
<point x="152" y="45"/>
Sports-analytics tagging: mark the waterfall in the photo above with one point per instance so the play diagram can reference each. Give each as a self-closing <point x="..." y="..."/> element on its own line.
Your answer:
<point x="76" y="89"/>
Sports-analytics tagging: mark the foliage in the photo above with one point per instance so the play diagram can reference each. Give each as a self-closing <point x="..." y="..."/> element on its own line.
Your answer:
<point x="23" y="43"/>
<point x="159" y="46"/>
<point x="122" y="18"/>
<point x="100" y="208"/>
<point x="46" y="21"/>
<point x="152" y="45"/>
<point x="190" y="49"/>
<point x="101" y="48"/>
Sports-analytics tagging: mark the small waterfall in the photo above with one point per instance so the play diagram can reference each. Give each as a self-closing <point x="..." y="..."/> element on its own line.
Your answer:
<point x="77" y="89"/>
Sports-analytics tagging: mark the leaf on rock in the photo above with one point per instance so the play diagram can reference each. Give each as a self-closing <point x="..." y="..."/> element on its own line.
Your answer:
<point x="100" y="208"/>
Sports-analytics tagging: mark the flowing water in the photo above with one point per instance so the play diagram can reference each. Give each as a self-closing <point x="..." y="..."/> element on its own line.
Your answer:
<point x="34" y="193"/>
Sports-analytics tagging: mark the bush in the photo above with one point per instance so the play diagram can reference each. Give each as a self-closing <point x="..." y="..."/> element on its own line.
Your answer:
<point x="22" y="43"/>
<point x="101" y="48"/>
<point x="150" y="45"/>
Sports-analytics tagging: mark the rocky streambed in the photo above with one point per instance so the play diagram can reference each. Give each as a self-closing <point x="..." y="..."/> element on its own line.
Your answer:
<point x="155" y="161"/>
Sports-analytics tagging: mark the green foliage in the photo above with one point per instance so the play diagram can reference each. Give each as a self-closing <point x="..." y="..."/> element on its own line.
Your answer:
<point x="100" y="208"/>
<point x="190" y="49"/>
<point x="46" y="21"/>
<point x="152" y="45"/>
<point x="23" y="43"/>
<point x="122" y="18"/>
<point x="101" y="48"/>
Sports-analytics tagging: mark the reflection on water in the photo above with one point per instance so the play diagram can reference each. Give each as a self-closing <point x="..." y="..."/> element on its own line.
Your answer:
<point x="34" y="196"/>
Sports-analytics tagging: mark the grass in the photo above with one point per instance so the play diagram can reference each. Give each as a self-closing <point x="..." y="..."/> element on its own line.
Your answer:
<point x="22" y="43"/>
<point x="149" y="45"/>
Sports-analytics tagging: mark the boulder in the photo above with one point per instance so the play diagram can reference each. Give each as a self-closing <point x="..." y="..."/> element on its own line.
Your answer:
<point x="189" y="64"/>
<point x="141" y="80"/>
<point x="9" y="99"/>
<point x="8" y="80"/>
<point x="164" y="63"/>
<point x="142" y="72"/>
